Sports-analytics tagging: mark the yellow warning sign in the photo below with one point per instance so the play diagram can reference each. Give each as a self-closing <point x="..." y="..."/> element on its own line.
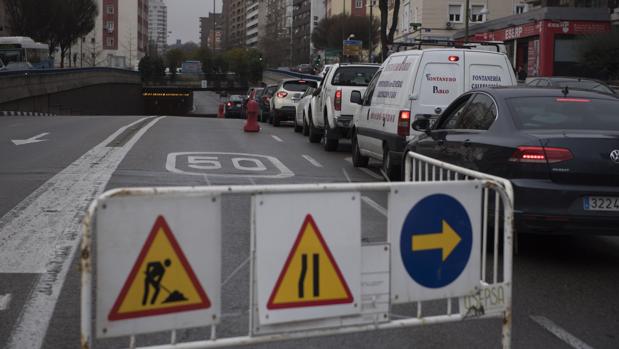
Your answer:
<point x="161" y="281"/>
<point x="311" y="276"/>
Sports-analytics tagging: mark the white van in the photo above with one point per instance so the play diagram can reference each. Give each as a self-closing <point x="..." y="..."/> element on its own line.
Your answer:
<point x="413" y="84"/>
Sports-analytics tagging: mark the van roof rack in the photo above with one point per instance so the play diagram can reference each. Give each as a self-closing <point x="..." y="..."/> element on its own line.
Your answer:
<point x="416" y="44"/>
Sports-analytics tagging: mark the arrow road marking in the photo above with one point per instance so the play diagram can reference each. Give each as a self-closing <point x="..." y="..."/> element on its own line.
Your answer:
<point x="5" y="300"/>
<point x="34" y="139"/>
<point x="447" y="240"/>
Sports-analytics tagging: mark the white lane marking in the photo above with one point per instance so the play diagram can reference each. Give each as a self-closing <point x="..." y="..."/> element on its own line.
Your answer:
<point x="5" y="300"/>
<point x="559" y="332"/>
<point x="41" y="234"/>
<point x="367" y="171"/>
<point x="375" y="205"/>
<point x="277" y="138"/>
<point x="213" y="164"/>
<point x="35" y="139"/>
<point x="346" y="175"/>
<point x="311" y="160"/>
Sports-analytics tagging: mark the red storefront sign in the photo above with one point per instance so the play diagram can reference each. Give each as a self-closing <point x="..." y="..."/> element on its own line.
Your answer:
<point x="546" y="26"/>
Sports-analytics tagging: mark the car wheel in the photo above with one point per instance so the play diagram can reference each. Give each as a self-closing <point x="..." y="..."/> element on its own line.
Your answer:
<point x="358" y="160"/>
<point x="330" y="142"/>
<point x="305" y="130"/>
<point x="314" y="133"/>
<point x="297" y="127"/>
<point x="390" y="166"/>
<point x="275" y="119"/>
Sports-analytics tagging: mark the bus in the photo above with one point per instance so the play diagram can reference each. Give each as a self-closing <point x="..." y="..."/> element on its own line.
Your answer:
<point x="23" y="50"/>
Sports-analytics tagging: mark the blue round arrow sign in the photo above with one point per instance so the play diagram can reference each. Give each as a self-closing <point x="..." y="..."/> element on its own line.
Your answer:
<point x="436" y="241"/>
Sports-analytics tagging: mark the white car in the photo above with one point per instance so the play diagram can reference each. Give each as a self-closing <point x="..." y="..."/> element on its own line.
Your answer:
<point x="285" y="99"/>
<point x="417" y="84"/>
<point x="332" y="113"/>
<point x="300" y="122"/>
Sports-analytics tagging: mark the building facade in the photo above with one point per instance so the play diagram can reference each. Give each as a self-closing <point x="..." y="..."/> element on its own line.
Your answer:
<point x="158" y="25"/>
<point x="234" y="16"/>
<point x="545" y="41"/>
<point x="251" y="23"/>
<point x="350" y="7"/>
<point x="120" y="36"/>
<point x="305" y="17"/>
<point x="4" y="20"/>
<point x="211" y="31"/>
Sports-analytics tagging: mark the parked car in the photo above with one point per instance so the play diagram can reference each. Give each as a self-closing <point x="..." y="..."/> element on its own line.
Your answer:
<point x="305" y="69"/>
<point x="234" y="107"/>
<point x="332" y="115"/>
<point x="413" y="84"/>
<point x="264" y="99"/>
<point x="572" y="82"/>
<point x="559" y="149"/>
<point x="286" y="97"/>
<point x="300" y="122"/>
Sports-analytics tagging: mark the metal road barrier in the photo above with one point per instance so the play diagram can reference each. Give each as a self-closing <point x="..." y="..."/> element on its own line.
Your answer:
<point x="498" y="203"/>
<point x="151" y="260"/>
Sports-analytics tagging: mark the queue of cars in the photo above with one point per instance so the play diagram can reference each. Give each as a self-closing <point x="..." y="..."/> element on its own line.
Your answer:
<point x="559" y="145"/>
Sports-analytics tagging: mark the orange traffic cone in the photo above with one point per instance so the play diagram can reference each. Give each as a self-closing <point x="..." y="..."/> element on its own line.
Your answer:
<point x="251" y="124"/>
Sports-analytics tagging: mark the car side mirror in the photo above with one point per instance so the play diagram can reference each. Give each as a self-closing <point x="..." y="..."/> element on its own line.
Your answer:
<point x="421" y="125"/>
<point x="317" y="92"/>
<point x="355" y="97"/>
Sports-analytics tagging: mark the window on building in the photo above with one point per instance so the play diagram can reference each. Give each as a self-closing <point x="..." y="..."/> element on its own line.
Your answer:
<point x="455" y="13"/>
<point x="520" y="8"/>
<point x="109" y="42"/>
<point x="476" y="15"/>
<point x="109" y="26"/>
<point x="358" y="3"/>
<point x="109" y="9"/>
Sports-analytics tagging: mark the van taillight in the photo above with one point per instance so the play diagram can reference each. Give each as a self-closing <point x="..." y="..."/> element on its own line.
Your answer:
<point x="337" y="102"/>
<point x="541" y="155"/>
<point x="404" y="120"/>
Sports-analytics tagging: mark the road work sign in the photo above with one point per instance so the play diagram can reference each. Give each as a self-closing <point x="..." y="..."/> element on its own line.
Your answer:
<point x="433" y="235"/>
<point x="308" y="263"/>
<point x="162" y="276"/>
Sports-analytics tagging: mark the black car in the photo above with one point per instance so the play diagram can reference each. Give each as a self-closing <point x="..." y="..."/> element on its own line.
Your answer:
<point x="234" y="107"/>
<point x="573" y="83"/>
<point x="264" y="99"/>
<point x="559" y="148"/>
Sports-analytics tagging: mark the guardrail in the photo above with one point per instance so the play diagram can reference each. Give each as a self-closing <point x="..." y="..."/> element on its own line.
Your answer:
<point x="365" y="282"/>
<point x="66" y="71"/>
<point x="295" y="75"/>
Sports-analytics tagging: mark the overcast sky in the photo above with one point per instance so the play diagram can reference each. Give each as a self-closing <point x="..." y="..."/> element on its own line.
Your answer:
<point x="184" y="18"/>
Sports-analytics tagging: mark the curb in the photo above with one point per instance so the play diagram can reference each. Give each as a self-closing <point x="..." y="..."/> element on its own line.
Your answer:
<point x="23" y="113"/>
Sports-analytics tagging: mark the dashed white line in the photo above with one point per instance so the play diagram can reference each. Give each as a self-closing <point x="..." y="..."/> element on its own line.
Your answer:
<point x="311" y="160"/>
<point x="277" y="138"/>
<point x="559" y="332"/>
<point x="346" y="175"/>
<point x="5" y="300"/>
<point x="375" y="205"/>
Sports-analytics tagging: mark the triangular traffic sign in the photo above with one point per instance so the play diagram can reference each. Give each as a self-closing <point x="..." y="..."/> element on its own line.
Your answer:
<point x="311" y="276"/>
<point x="161" y="281"/>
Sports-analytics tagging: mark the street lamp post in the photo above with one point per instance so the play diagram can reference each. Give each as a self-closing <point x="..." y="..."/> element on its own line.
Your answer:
<point x="370" y="32"/>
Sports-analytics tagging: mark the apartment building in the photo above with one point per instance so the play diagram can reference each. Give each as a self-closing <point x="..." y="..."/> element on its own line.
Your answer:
<point x="251" y="23"/>
<point x="234" y="17"/>
<point x="350" y="7"/>
<point x="158" y="25"/>
<point x="305" y="17"/>
<point x="211" y="31"/>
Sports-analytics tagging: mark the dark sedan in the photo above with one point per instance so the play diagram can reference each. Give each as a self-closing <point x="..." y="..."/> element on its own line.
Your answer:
<point x="560" y="150"/>
<point x="234" y="107"/>
<point x="572" y="82"/>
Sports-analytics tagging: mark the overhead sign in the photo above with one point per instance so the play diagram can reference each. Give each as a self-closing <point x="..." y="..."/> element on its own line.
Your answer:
<point x="435" y="239"/>
<point x="158" y="264"/>
<point x="310" y="275"/>
<point x="161" y="281"/>
<point x="308" y="263"/>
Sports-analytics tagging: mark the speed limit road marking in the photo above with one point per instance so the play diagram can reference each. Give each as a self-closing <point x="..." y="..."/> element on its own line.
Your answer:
<point x="217" y="164"/>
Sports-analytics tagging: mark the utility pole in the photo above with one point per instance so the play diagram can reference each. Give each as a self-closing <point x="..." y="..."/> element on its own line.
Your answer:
<point x="370" y="32"/>
<point x="466" y="22"/>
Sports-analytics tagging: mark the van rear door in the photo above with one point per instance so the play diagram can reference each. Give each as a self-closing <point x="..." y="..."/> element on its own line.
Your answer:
<point x="439" y="82"/>
<point x="487" y="69"/>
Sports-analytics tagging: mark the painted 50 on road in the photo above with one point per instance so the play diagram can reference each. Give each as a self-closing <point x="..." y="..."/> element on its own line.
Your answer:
<point x="221" y="164"/>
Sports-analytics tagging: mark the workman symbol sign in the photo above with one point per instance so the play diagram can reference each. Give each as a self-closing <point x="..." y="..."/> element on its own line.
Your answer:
<point x="161" y="281"/>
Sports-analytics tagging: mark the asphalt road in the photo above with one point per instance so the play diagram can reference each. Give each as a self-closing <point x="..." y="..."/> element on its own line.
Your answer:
<point x="565" y="285"/>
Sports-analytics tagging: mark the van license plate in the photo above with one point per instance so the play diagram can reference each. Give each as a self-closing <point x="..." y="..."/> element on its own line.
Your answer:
<point x="601" y="203"/>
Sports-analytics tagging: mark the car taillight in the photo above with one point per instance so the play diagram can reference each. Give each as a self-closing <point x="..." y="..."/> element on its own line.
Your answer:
<point x="282" y="94"/>
<point x="540" y="155"/>
<point x="404" y="120"/>
<point x="337" y="102"/>
<point x="229" y="104"/>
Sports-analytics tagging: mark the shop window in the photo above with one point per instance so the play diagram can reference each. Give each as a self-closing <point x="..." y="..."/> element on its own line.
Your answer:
<point x="455" y="13"/>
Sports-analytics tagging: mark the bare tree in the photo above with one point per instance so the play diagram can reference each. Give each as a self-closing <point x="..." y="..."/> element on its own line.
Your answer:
<point x="75" y="18"/>
<point x="386" y="38"/>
